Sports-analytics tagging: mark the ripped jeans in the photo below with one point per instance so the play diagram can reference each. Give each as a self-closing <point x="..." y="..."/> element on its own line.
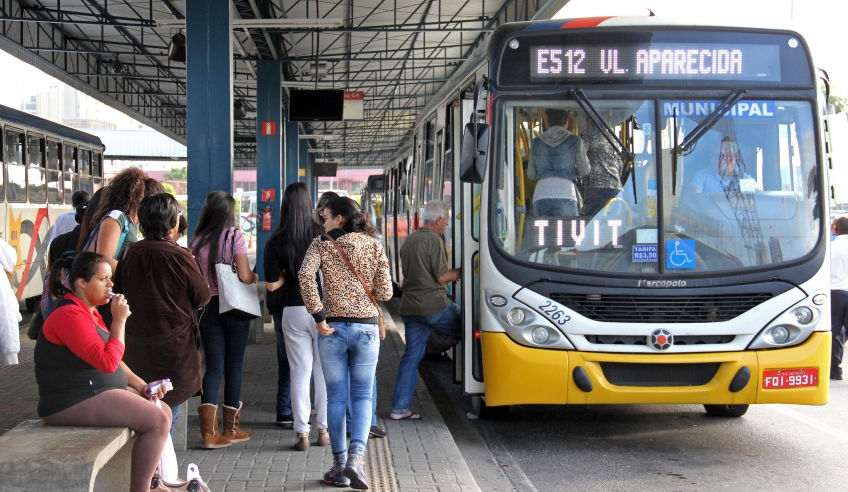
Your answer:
<point x="349" y="360"/>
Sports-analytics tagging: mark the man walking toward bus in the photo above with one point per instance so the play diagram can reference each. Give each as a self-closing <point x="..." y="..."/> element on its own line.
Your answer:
<point x="425" y="305"/>
<point x="838" y="293"/>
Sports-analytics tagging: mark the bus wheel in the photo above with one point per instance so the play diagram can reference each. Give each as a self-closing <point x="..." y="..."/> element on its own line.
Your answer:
<point x="726" y="410"/>
<point x="32" y="303"/>
<point x="483" y="411"/>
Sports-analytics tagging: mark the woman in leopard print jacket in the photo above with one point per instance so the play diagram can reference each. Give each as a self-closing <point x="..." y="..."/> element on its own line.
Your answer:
<point x="349" y="342"/>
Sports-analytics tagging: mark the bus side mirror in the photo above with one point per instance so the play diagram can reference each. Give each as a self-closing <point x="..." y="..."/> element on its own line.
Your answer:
<point x="475" y="146"/>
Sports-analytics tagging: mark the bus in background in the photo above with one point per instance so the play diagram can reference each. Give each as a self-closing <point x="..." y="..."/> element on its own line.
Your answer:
<point x="247" y="212"/>
<point x="43" y="163"/>
<point x="372" y="199"/>
<point x="702" y="277"/>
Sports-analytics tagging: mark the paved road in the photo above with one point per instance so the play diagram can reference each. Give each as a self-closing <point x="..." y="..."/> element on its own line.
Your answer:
<point x="652" y="447"/>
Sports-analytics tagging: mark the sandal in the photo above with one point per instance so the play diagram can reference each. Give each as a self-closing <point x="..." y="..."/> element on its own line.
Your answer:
<point x="409" y="416"/>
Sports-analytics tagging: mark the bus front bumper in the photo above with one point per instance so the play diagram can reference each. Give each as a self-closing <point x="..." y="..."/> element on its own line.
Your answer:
<point x="515" y="374"/>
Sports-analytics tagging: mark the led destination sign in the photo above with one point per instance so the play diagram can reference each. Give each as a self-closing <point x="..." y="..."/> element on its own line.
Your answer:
<point x="657" y="61"/>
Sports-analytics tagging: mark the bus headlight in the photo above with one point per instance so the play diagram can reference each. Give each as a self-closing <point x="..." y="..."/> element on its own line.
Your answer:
<point x="780" y="334"/>
<point x="804" y="315"/>
<point x="819" y="299"/>
<point x="515" y="316"/>
<point x="541" y="335"/>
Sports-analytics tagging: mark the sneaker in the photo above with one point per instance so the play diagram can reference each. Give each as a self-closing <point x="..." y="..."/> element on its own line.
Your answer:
<point x="285" y="420"/>
<point x="336" y="474"/>
<point x="355" y="470"/>
<point x="377" y="432"/>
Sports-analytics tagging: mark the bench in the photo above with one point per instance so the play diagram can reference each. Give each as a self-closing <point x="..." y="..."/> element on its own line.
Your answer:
<point x="38" y="457"/>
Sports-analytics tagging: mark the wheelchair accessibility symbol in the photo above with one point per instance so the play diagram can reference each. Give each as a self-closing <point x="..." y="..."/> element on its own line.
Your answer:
<point x="680" y="253"/>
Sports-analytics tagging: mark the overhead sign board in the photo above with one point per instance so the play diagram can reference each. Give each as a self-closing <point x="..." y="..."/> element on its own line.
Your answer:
<point x="354" y="105"/>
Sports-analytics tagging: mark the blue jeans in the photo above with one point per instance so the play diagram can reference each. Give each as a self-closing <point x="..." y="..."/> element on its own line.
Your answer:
<point x="555" y="207"/>
<point x="417" y="332"/>
<point x="283" y="372"/>
<point x="373" y="415"/>
<point x="175" y="414"/>
<point x="349" y="360"/>
<point x="224" y="341"/>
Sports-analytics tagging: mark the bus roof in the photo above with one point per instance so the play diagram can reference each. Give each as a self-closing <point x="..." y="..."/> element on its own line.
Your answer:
<point x="15" y="117"/>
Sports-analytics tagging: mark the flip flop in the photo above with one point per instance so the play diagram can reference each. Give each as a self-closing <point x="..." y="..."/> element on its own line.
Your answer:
<point x="411" y="416"/>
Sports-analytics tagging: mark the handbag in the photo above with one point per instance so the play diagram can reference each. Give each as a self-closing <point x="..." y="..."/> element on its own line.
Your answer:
<point x="381" y="324"/>
<point x="193" y="484"/>
<point x="235" y="297"/>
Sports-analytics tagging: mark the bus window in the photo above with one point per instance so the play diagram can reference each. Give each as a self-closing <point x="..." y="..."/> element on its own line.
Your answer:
<point x="13" y="150"/>
<point x="37" y="184"/>
<point x="2" y="173"/>
<point x="54" y="172"/>
<point x="85" y="170"/>
<point x="96" y="170"/>
<point x="69" y="162"/>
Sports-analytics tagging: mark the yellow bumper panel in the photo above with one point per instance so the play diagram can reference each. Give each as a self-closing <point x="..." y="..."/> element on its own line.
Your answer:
<point x="815" y="352"/>
<point x="515" y="374"/>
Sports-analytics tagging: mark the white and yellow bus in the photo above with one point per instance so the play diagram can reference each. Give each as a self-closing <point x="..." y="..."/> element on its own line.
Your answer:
<point x="674" y="291"/>
<point x="41" y="165"/>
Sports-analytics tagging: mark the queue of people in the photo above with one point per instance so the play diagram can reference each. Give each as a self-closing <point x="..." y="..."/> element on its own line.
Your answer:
<point x="122" y="314"/>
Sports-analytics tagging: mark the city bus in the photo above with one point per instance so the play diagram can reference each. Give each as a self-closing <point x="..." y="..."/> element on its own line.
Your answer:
<point x="703" y="278"/>
<point x="43" y="164"/>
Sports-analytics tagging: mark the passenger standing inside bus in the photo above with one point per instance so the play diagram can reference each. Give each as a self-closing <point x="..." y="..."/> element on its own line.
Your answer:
<point x="67" y="222"/>
<point x="224" y="337"/>
<point x="10" y="315"/>
<point x="297" y="338"/>
<point x="425" y="305"/>
<point x="604" y="180"/>
<point x="557" y="158"/>
<point x="838" y="293"/>
<point x="346" y="318"/>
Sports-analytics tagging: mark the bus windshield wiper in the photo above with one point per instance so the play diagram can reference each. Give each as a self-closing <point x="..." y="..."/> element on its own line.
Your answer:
<point x="626" y="154"/>
<point x="699" y="131"/>
<point x="710" y="121"/>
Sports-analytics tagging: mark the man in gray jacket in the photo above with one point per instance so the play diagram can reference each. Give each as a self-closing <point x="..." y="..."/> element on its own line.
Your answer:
<point x="557" y="158"/>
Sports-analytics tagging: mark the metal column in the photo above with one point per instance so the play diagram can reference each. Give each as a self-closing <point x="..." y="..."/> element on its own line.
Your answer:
<point x="209" y="108"/>
<point x="269" y="151"/>
<point x="292" y="151"/>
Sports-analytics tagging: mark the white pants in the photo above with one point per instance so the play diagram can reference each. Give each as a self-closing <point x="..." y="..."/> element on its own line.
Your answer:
<point x="302" y="350"/>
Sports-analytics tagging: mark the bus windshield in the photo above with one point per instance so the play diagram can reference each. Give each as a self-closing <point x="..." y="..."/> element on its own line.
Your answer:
<point x="744" y="196"/>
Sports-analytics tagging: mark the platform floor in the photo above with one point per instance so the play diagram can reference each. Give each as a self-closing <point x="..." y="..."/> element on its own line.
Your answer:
<point x="416" y="456"/>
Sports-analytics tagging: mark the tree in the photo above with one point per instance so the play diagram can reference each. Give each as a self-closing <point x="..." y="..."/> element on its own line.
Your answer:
<point x="177" y="173"/>
<point x="169" y="188"/>
<point x="840" y="103"/>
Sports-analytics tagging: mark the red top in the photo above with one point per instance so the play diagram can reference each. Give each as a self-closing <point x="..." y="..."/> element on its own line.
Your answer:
<point x="71" y="326"/>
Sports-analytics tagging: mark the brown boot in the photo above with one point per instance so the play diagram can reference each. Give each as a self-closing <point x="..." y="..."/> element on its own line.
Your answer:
<point x="232" y="417"/>
<point x="302" y="443"/>
<point x="323" y="437"/>
<point x="209" y="427"/>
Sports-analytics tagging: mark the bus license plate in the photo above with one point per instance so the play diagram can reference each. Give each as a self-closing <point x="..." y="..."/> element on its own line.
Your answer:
<point x="790" y="378"/>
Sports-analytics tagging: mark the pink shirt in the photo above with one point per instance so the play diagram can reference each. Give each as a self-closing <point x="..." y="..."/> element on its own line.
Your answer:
<point x="202" y="255"/>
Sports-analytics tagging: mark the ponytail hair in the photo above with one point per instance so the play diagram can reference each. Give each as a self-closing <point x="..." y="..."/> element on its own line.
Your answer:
<point x="65" y="273"/>
<point x="353" y="218"/>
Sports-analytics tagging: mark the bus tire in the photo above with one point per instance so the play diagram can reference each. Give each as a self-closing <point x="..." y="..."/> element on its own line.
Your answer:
<point x="726" y="410"/>
<point x="483" y="411"/>
<point x="32" y="303"/>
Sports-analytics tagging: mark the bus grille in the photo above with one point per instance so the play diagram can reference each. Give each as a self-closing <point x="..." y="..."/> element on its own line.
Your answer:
<point x="643" y="340"/>
<point x="660" y="309"/>
<point x="628" y="374"/>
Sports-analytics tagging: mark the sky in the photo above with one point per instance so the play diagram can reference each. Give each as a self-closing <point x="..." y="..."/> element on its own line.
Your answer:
<point x="820" y="22"/>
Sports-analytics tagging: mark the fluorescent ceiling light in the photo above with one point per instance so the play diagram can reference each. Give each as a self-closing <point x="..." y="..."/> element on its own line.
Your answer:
<point x="320" y="136"/>
<point x="266" y="23"/>
<point x="294" y="84"/>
